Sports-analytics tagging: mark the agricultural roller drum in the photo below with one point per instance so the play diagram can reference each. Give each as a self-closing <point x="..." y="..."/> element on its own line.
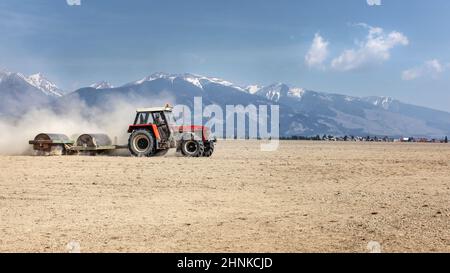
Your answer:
<point x="51" y="144"/>
<point x="92" y="144"/>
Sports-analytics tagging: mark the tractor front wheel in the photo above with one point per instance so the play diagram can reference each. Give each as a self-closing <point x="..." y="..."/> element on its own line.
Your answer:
<point x="192" y="148"/>
<point x="141" y="143"/>
<point x="209" y="149"/>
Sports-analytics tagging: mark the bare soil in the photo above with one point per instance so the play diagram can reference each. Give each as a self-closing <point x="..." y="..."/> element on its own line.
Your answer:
<point x="305" y="197"/>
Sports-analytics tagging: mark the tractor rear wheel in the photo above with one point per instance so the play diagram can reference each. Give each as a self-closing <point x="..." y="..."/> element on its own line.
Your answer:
<point x="192" y="148"/>
<point x="209" y="149"/>
<point x="141" y="143"/>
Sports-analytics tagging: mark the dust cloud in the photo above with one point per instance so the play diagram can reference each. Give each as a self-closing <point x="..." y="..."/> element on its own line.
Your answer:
<point x="75" y="119"/>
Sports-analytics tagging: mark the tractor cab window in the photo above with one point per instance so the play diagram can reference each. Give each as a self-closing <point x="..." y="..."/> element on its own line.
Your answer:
<point x="158" y="119"/>
<point x="143" y="118"/>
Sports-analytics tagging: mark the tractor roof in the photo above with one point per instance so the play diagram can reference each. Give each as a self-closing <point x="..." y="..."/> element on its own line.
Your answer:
<point x="155" y="109"/>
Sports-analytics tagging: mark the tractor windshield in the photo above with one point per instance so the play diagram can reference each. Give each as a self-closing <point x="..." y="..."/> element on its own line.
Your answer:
<point x="170" y="118"/>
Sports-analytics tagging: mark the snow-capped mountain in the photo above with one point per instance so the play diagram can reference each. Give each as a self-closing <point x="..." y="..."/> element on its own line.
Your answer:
<point x="152" y="77"/>
<point x="354" y="115"/>
<point x="171" y="88"/>
<point x="3" y="74"/>
<point x="384" y="102"/>
<point x="102" y="85"/>
<point x="36" y="80"/>
<point x="278" y="91"/>
<point x="19" y="92"/>
<point x="43" y="84"/>
<point x="252" y="89"/>
<point x="6" y="76"/>
<point x="197" y="80"/>
<point x="302" y="112"/>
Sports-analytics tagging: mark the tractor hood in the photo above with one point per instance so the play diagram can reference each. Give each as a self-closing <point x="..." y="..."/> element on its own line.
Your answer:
<point x="199" y="130"/>
<point x="190" y="128"/>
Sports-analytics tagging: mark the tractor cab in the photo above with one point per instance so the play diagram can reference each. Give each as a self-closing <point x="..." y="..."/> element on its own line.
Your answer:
<point x="162" y="118"/>
<point x="159" y="122"/>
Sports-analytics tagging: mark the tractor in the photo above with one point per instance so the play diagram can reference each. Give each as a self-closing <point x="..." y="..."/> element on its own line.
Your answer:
<point x="154" y="132"/>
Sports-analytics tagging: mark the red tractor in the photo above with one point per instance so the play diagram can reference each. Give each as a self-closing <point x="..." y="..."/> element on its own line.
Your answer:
<point x="154" y="132"/>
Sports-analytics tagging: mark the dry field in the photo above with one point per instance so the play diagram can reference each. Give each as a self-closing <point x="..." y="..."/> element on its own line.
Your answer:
<point x="306" y="197"/>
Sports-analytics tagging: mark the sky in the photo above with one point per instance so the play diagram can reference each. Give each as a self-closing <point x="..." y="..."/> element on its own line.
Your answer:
<point x="397" y="48"/>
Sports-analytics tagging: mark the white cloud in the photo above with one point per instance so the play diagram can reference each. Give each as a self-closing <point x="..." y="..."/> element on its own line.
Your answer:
<point x="318" y="52"/>
<point x="374" y="50"/>
<point x="432" y="68"/>
<point x="374" y="2"/>
<point x="411" y="74"/>
<point x="73" y="2"/>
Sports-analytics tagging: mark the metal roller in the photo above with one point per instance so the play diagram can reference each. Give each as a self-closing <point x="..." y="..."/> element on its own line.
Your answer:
<point x="93" y="140"/>
<point x="51" y="144"/>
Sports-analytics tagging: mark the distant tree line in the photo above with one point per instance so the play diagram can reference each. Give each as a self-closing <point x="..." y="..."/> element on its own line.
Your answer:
<point x="328" y="137"/>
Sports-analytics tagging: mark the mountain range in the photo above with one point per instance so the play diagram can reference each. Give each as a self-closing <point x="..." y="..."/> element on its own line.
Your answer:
<point x="18" y="92"/>
<point x="302" y="112"/>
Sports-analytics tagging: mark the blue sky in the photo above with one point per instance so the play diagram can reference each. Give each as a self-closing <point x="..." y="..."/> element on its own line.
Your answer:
<point x="400" y="48"/>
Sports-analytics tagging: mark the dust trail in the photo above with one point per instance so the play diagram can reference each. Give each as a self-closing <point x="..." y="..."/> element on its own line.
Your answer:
<point x="76" y="119"/>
